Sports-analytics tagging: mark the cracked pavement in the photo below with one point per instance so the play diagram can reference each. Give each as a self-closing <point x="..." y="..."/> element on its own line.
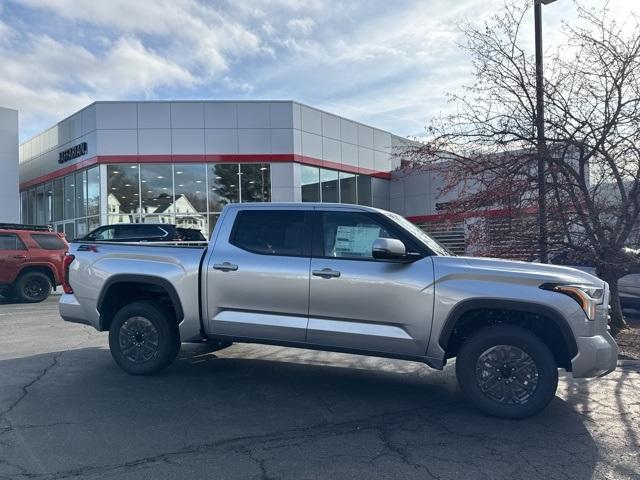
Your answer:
<point x="258" y="412"/>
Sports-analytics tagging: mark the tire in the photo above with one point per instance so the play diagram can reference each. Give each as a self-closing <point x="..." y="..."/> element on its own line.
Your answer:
<point x="523" y="388"/>
<point x="144" y="338"/>
<point x="32" y="287"/>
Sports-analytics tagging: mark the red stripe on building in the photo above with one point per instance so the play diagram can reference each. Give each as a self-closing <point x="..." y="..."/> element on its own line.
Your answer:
<point x="203" y="158"/>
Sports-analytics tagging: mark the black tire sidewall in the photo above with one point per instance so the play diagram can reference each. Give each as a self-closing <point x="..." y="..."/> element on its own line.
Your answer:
<point x="168" y="338"/>
<point x="489" y="337"/>
<point x="18" y="289"/>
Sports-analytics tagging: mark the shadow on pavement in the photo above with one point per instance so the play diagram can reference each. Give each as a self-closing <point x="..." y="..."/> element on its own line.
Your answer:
<point x="281" y="413"/>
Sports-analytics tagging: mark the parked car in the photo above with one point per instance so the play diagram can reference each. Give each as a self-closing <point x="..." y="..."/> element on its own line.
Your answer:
<point x="191" y="234"/>
<point x="144" y="232"/>
<point x="628" y="286"/>
<point x="31" y="261"/>
<point x="347" y="278"/>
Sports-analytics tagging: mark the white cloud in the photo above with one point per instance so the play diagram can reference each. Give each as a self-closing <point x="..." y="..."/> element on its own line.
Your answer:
<point x="301" y="26"/>
<point x="361" y="58"/>
<point x="200" y="36"/>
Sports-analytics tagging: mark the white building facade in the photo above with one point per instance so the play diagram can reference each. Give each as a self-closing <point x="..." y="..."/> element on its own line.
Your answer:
<point x="9" y="198"/>
<point x="182" y="161"/>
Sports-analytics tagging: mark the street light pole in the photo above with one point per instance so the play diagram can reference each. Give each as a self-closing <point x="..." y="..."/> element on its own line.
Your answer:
<point x="541" y="143"/>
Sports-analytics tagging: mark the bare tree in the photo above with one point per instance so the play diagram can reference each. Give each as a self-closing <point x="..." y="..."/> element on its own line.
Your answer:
<point x="486" y="150"/>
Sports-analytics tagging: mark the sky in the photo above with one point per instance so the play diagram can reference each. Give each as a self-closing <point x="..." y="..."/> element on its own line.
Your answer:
<point x="388" y="64"/>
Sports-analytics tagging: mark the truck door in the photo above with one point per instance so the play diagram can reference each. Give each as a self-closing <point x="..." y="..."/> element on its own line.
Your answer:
<point x="257" y="278"/>
<point x="13" y="254"/>
<point x="359" y="302"/>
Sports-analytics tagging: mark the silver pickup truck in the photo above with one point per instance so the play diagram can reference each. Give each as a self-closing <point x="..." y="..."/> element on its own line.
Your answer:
<point x="346" y="278"/>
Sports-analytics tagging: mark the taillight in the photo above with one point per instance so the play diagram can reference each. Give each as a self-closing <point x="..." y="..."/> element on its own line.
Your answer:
<point x="68" y="259"/>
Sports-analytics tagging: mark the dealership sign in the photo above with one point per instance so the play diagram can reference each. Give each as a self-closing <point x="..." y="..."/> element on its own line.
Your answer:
<point x="73" y="152"/>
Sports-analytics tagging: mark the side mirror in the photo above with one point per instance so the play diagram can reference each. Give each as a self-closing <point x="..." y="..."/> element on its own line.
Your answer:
<point x="388" y="249"/>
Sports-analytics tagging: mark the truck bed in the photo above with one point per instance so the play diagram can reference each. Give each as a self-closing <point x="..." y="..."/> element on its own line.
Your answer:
<point x="102" y="263"/>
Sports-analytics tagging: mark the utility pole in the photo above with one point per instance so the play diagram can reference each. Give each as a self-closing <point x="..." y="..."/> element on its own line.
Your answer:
<point x="541" y="143"/>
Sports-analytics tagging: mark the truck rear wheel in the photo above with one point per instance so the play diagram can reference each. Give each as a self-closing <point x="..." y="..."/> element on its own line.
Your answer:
<point x="143" y="338"/>
<point x="32" y="287"/>
<point x="507" y="372"/>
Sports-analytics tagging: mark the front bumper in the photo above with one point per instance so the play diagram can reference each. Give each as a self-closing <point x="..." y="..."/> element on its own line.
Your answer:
<point x="597" y="356"/>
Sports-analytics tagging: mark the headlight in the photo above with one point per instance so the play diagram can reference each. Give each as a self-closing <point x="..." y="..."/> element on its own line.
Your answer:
<point x="587" y="296"/>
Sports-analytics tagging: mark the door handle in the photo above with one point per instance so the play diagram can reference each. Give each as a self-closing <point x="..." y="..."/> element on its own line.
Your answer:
<point x="326" y="273"/>
<point x="22" y="257"/>
<point x="225" y="267"/>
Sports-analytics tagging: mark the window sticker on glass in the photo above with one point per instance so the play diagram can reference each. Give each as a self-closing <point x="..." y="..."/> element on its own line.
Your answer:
<point x="355" y="241"/>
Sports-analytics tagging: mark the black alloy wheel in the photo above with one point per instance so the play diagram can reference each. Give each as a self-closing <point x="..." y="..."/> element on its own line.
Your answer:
<point x="144" y="338"/>
<point x="507" y="371"/>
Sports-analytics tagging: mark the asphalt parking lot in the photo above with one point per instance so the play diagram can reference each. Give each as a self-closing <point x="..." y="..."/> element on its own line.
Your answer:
<point x="255" y="412"/>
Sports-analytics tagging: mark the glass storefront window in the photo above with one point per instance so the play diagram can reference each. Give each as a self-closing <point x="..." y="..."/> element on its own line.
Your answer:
<point x="69" y="197"/>
<point x="156" y="183"/>
<point x="364" y="190"/>
<point x="58" y="199"/>
<point x="32" y="206"/>
<point x="348" y="187"/>
<point x="70" y="230"/>
<point x="310" y="183"/>
<point x="81" y="194"/>
<point x="93" y="191"/>
<point x="81" y="228"/>
<point x="24" y="207"/>
<point x="123" y="197"/>
<point x="40" y="218"/>
<point x="92" y="223"/>
<point x="255" y="182"/>
<point x="191" y="188"/>
<point x="223" y="185"/>
<point x="48" y="202"/>
<point x="329" y="184"/>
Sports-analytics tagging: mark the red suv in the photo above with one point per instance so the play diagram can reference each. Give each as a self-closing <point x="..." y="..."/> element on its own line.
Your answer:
<point x="31" y="261"/>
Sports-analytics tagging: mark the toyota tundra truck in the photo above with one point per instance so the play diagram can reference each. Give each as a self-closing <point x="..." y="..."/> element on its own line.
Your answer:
<point x="346" y="278"/>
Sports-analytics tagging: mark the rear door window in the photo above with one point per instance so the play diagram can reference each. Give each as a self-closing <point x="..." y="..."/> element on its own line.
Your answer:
<point x="11" y="241"/>
<point x="48" y="242"/>
<point x="272" y="232"/>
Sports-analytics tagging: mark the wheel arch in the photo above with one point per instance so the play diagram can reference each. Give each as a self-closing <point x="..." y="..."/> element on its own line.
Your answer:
<point x="527" y="314"/>
<point x="39" y="268"/>
<point x="121" y="289"/>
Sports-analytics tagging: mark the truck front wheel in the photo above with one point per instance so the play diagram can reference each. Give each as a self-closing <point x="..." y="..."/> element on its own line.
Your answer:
<point x="507" y="371"/>
<point x="143" y="338"/>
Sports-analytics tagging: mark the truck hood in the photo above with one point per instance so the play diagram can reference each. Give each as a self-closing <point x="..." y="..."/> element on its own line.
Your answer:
<point x="524" y="272"/>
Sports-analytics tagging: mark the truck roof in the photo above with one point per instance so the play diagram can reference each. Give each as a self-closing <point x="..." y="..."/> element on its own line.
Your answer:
<point x="307" y="205"/>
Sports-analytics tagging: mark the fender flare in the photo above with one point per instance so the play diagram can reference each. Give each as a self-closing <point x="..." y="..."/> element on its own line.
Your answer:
<point x="143" y="279"/>
<point x="515" y="305"/>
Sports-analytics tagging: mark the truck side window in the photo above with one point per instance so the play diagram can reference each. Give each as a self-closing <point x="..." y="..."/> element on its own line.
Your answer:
<point x="351" y="235"/>
<point x="270" y="232"/>
<point x="10" y="241"/>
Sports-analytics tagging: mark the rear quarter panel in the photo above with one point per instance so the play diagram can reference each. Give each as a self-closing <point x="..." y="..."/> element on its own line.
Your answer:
<point x="180" y="266"/>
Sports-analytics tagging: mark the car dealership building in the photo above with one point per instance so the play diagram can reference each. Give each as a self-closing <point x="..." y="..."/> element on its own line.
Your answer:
<point x="182" y="161"/>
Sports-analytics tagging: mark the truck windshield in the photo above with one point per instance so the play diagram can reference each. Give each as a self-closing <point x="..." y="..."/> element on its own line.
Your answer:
<point x="429" y="242"/>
